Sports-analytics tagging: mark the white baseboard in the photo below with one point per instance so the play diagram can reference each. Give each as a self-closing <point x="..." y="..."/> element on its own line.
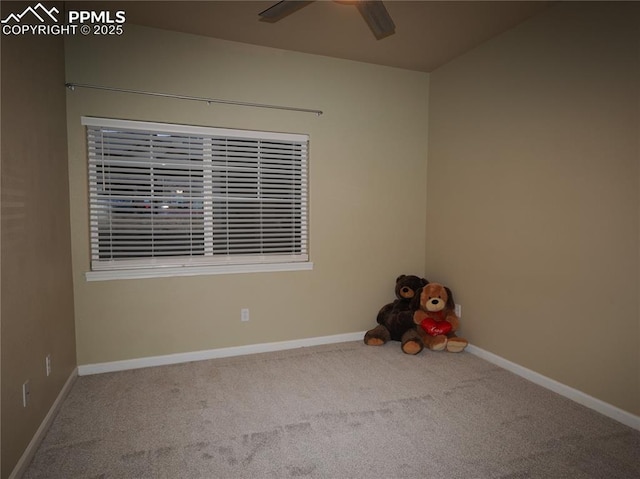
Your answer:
<point x="37" y="438"/>
<point x="602" y="407"/>
<point x="113" y="366"/>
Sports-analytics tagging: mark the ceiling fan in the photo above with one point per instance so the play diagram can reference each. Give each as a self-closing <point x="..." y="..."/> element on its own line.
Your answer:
<point x="373" y="12"/>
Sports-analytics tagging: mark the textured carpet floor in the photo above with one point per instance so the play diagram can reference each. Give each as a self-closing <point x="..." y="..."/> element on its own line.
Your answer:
<point x="336" y="411"/>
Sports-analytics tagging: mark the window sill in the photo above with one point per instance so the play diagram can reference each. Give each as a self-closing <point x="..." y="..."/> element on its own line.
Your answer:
<point x="195" y="271"/>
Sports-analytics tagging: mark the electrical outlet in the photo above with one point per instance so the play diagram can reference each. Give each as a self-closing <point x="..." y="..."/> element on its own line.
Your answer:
<point x="458" y="310"/>
<point x="47" y="364"/>
<point x="244" y="314"/>
<point x="25" y="393"/>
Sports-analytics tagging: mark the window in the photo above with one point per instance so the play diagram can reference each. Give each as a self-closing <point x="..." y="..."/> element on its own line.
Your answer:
<point x="175" y="199"/>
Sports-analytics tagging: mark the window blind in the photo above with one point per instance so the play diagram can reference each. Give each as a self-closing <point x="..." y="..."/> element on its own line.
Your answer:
<point x="173" y="195"/>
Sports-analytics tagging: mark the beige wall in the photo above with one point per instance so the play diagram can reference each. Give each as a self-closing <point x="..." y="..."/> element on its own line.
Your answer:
<point x="37" y="294"/>
<point x="367" y="176"/>
<point x="532" y="196"/>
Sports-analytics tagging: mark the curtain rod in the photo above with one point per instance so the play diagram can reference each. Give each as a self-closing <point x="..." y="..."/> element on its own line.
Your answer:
<point x="73" y="86"/>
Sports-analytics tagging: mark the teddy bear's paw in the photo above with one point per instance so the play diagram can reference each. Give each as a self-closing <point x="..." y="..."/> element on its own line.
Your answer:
<point x="374" y="341"/>
<point x="419" y="316"/>
<point x="438" y="343"/>
<point x="377" y="336"/>
<point x="455" y="345"/>
<point x="412" y="347"/>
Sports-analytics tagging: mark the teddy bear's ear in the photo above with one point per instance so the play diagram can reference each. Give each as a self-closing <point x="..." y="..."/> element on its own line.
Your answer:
<point x="402" y="276"/>
<point x="451" y="304"/>
<point x="424" y="282"/>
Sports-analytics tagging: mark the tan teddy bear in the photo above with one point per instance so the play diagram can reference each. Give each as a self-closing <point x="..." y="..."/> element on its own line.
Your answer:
<point x="435" y="315"/>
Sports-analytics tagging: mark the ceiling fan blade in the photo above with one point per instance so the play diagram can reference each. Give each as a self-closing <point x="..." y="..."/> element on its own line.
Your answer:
<point x="377" y="17"/>
<point x="282" y="9"/>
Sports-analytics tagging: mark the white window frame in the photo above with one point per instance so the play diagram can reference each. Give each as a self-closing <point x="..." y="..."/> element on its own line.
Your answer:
<point x="207" y="262"/>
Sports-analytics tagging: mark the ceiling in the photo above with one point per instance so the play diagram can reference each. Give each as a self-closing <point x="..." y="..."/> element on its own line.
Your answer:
<point x="428" y="33"/>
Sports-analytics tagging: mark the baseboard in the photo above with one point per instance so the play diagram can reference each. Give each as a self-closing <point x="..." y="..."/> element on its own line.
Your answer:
<point x="37" y="438"/>
<point x="113" y="366"/>
<point x="602" y="407"/>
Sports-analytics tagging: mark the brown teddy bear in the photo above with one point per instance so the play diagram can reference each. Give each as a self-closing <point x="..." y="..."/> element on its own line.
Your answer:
<point x="395" y="320"/>
<point x="435" y="315"/>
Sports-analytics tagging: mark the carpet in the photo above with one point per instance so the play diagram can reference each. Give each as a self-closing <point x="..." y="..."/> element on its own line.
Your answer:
<point x="335" y="411"/>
